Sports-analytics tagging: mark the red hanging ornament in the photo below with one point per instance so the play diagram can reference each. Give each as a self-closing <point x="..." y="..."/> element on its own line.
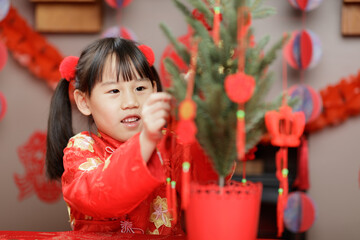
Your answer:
<point x="240" y="133"/>
<point x="3" y="106"/>
<point x="302" y="176"/>
<point x="185" y="180"/>
<point x="186" y="128"/>
<point x="282" y="175"/>
<point x="245" y="24"/>
<point x="285" y="127"/>
<point x="187" y="110"/>
<point x="216" y="24"/>
<point x="186" y="131"/>
<point x="239" y="87"/>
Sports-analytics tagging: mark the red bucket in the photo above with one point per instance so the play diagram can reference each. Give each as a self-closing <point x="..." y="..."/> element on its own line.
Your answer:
<point x="231" y="212"/>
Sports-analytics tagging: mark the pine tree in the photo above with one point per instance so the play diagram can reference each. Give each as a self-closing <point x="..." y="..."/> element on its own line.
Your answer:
<point x="216" y="113"/>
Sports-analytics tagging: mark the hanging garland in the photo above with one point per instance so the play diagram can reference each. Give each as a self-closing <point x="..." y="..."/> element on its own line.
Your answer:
<point x="340" y="101"/>
<point x="30" y="49"/>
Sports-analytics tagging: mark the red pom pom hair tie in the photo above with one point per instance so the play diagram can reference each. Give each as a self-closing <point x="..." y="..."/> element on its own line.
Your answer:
<point x="148" y="53"/>
<point x="68" y="67"/>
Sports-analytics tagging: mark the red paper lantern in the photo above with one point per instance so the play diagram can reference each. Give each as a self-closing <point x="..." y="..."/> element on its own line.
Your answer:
<point x="118" y="3"/>
<point x="305" y="5"/>
<point x="310" y="101"/>
<point x="300" y="213"/>
<point x="303" y="50"/>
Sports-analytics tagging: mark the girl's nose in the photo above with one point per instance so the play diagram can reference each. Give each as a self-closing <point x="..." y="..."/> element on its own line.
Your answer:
<point x="129" y="100"/>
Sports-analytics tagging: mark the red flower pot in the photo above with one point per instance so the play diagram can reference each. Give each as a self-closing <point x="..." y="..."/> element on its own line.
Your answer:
<point x="231" y="212"/>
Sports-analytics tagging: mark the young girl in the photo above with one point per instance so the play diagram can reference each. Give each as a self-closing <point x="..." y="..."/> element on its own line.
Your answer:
<point x="113" y="178"/>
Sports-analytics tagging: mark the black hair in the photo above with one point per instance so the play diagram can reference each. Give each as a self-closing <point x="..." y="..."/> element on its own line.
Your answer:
<point x="89" y="71"/>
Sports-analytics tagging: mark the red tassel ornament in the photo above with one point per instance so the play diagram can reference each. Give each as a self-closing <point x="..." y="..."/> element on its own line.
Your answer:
<point x="216" y="24"/>
<point x="282" y="175"/>
<point x="186" y="127"/>
<point x="168" y="193"/>
<point x="302" y="177"/>
<point x="240" y="133"/>
<point x="173" y="202"/>
<point x="185" y="185"/>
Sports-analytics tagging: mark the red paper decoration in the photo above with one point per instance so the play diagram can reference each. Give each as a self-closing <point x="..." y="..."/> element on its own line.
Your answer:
<point x="305" y="5"/>
<point x="282" y="176"/>
<point x="310" y="101"/>
<point x="239" y="87"/>
<point x="118" y="3"/>
<point x="300" y="212"/>
<point x="186" y="128"/>
<point x="32" y="156"/>
<point x="340" y="101"/>
<point x="302" y="176"/>
<point x="303" y="50"/>
<point x="3" y="106"/>
<point x="3" y="55"/>
<point x="30" y="49"/>
<point x="285" y="127"/>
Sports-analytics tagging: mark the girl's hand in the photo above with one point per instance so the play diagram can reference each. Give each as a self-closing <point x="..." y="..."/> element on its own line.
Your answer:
<point x="155" y="113"/>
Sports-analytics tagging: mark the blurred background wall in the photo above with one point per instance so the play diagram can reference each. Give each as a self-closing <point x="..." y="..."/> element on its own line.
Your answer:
<point x="334" y="152"/>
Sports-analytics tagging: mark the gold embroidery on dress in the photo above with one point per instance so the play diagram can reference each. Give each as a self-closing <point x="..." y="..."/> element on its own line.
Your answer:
<point x="107" y="162"/>
<point x="160" y="215"/>
<point x="155" y="232"/>
<point x="90" y="164"/>
<point x="83" y="142"/>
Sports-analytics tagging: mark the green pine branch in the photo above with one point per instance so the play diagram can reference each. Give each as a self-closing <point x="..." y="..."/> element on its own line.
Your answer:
<point x="216" y="114"/>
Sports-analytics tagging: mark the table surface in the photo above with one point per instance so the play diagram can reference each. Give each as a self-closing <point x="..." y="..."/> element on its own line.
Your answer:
<point x="76" y="235"/>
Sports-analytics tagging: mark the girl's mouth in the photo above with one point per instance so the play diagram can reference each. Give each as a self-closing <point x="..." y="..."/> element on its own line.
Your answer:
<point x="131" y="121"/>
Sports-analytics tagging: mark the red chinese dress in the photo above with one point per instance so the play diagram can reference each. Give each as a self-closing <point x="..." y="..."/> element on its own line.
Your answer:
<point x="108" y="186"/>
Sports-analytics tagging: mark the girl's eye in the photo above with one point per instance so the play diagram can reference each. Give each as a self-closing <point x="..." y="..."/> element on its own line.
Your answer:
<point x="114" y="91"/>
<point x="141" y="88"/>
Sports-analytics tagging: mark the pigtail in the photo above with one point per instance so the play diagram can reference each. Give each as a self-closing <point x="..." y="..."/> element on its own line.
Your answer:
<point x="59" y="130"/>
<point x="156" y="78"/>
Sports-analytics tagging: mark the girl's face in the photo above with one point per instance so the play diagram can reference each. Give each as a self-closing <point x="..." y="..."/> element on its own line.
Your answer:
<point x="116" y="106"/>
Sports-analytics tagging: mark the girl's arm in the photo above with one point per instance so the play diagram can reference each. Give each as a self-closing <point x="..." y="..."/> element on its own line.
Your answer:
<point x="110" y="187"/>
<point x="120" y="183"/>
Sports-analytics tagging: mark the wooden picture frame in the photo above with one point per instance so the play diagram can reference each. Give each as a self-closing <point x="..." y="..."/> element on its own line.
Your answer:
<point x="68" y="16"/>
<point x="350" y="20"/>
